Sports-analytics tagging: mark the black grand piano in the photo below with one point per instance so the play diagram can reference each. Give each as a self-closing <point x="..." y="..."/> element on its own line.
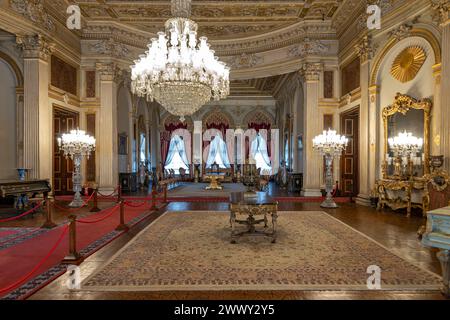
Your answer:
<point x="22" y="191"/>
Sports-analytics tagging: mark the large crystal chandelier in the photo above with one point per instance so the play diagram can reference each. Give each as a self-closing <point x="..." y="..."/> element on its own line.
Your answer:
<point x="179" y="72"/>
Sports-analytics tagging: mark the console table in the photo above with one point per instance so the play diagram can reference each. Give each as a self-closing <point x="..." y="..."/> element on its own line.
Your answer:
<point x="214" y="179"/>
<point x="252" y="207"/>
<point x="23" y="190"/>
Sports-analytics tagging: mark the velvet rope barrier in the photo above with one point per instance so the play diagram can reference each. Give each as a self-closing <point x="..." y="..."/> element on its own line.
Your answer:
<point x="29" y="274"/>
<point x="129" y="204"/>
<point x="113" y="209"/>
<point x="23" y="214"/>
<point x="112" y="195"/>
<point x="85" y="203"/>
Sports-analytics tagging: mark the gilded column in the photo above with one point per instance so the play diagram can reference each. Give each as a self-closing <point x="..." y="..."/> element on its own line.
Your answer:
<point x="436" y="113"/>
<point x="37" y="114"/>
<point x="312" y="161"/>
<point x="107" y="144"/>
<point x="367" y="123"/>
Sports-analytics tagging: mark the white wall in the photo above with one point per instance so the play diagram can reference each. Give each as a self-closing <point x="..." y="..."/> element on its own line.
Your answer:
<point x="422" y="86"/>
<point x="8" y="139"/>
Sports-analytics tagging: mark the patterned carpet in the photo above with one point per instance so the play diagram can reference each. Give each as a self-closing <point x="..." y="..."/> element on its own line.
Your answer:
<point x="314" y="251"/>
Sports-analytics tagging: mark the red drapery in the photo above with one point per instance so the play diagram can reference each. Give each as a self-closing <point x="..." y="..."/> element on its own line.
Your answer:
<point x="166" y="136"/>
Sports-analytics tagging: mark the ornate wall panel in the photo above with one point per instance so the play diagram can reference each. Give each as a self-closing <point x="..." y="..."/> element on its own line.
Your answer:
<point x="63" y="75"/>
<point x="90" y="84"/>
<point x="328" y="86"/>
<point x="351" y="76"/>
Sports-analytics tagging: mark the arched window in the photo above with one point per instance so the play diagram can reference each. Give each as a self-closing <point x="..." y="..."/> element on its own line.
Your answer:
<point x="260" y="155"/>
<point x="218" y="154"/>
<point x="177" y="157"/>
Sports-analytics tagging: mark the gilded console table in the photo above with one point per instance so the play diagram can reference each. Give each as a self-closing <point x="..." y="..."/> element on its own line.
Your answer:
<point x="256" y="209"/>
<point x="400" y="194"/>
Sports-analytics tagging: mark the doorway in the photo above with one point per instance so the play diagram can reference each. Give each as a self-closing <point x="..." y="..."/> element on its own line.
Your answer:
<point x="63" y="121"/>
<point x="350" y="157"/>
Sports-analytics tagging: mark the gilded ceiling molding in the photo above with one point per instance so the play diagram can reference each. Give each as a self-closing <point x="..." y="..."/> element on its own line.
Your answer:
<point x="35" y="46"/>
<point x="35" y="11"/>
<point x="415" y="32"/>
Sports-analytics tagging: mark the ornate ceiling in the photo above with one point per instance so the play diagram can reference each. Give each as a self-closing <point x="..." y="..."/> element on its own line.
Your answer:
<point x="218" y="20"/>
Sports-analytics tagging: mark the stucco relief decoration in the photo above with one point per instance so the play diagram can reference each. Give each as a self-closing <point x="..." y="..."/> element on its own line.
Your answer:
<point x="402" y="32"/>
<point x="365" y="48"/>
<point x="245" y="61"/>
<point x="408" y="63"/>
<point x="308" y="47"/>
<point x="441" y="9"/>
<point x="35" y="11"/>
<point x="110" y="47"/>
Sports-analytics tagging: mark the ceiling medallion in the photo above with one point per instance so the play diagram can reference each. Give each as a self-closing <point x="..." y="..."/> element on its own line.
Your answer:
<point x="408" y="63"/>
<point x="177" y="71"/>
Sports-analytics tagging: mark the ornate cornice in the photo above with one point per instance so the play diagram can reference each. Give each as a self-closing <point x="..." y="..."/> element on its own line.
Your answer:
<point x="442" y="11"/>
<point x="308" y="47"/>
<point x="35" y="46"/>
<point x="35" y="11"/>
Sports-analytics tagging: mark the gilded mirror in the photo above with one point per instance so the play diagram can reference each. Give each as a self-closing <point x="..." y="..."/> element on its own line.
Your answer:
<point x="412" y="116"/>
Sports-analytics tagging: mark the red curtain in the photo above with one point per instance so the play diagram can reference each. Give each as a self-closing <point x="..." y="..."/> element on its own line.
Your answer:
<point x="261" y="126"/>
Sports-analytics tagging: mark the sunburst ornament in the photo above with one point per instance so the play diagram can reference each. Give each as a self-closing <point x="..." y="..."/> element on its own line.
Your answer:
<point x="408" y="63"/>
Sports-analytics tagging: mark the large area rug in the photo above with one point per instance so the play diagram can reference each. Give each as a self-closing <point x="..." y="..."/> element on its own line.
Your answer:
<point x="195" y="190"/>
<point x="192" y="251"/>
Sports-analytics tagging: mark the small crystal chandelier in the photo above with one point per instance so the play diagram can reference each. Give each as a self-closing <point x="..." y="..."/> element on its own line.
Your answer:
<point x="177" y="71"/>
<point x="405" y="144"/>
<point x="330" y="145"/>
<point x="75" y="145"/>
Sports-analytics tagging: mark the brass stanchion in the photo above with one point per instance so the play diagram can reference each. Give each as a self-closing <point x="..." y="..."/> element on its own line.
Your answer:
<point x="48" y="224"/>
<point x="119" y="194"/>
<point x="122" y="226"/>
<point x="154" y="207"/>
<point x="95" y="208"/>
<point x="73" y="257"/>
<point x="165" y="193"/>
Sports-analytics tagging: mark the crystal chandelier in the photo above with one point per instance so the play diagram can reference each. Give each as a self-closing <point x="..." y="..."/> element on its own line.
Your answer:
<point x="405" y="144"/>
<point x="179" y="72"/>
<point x="330" y="145"/>
<point x="75" y="145"/>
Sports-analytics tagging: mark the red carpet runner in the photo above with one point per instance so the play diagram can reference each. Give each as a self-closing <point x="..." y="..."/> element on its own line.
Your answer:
<point x="19" y="260"/>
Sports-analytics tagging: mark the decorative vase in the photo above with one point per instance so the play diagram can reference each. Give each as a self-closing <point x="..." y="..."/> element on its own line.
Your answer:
<point x="22" y="174"/>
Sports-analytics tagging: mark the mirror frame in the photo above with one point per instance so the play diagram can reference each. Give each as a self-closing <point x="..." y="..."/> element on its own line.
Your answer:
<point x="402" y="104"/>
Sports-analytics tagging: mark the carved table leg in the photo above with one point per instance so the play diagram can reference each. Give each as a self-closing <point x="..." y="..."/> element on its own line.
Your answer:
<point x="233" y="225"/>
<point x="274" y="223"/>
<point x="444" y="258"/>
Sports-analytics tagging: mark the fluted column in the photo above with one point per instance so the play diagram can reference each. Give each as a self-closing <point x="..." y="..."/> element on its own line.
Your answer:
<point x="107" y="142"/>
<point x="312" y="161"/>
<point x="367" y="123"/>
<point x="37" y="114"/>
<point x="443" y="10"/>
<point x="436" y="113"/>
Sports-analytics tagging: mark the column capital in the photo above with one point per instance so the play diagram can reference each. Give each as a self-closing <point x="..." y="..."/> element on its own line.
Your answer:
<point x="108" y="71"/>
<point x="35" y="46"/>
<point x="311" y="71"/>
<point x="442" y="11"/>
<point x="365" y="49"/>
